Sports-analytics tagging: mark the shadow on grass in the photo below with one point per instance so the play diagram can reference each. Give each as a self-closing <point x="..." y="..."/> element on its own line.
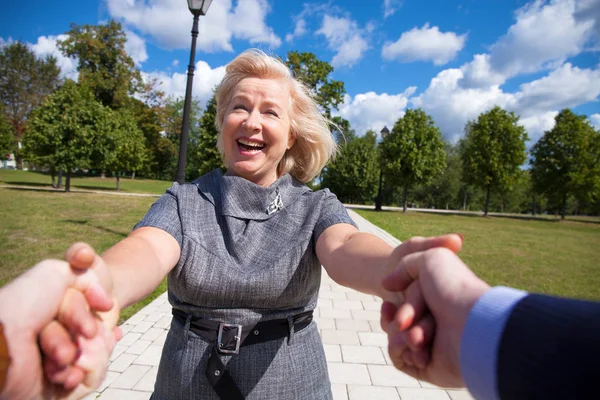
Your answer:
<point x="87" y="222"/>
<point x="19" y="183"/>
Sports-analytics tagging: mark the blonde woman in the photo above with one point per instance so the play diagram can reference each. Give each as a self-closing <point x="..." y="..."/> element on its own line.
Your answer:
<point x="243" y="249"/>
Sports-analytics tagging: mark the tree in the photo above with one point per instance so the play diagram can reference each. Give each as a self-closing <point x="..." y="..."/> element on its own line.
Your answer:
<point x="342" y="131"/>
<point x="124" y="148"/>
<point x="493" y="151"/>
<point x="315" y="74"/>
<point x="6" y="136"/>
<point x="413" y="153"/>
<point x="566" y="161"/>
<point x="104" y="65"/>
<point x="203" y="155"/>
<point x="63" y="132"/>
<point x="353" y="175"/>
<point x="25" y="80"/>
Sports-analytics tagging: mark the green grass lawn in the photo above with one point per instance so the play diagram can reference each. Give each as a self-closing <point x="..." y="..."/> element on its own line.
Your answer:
<point x="561" y="258"/>
<point x="37" y="225"/>
<point x="42" y="180"/>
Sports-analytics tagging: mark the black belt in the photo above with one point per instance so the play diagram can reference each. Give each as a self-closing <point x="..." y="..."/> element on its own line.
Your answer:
<point x="228" y="338"/>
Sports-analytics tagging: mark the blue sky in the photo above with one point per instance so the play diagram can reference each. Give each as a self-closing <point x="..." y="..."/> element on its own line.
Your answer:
<point x="454" y="59"/>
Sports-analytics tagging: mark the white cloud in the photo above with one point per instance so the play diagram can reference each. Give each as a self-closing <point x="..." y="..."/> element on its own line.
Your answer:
<point x="595" y="120"/>
<point x="373" y="111"/>
<point x="135" y="46"/>
<point x="390" y="7"/>
<point x="47" y="45"/>
<point x="205" y="80"/>
<point x="175" y="63"/>
<point x="344" y="36"/>
<point x="565" y="87"/>
<point x="425" y="44"/>
<point x="5" y="42"/>
<point x="169" y="21"/>
<point x="299" y="30"/>
<point x="543" y="36"/>
<point x="537" y="124"/>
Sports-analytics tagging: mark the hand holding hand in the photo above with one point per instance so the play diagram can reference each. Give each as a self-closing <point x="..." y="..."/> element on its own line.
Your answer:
<point x="440" y="291"/>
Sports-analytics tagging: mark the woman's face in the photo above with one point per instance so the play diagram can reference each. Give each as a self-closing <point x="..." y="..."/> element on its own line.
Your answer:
<point x="256" y="129"/>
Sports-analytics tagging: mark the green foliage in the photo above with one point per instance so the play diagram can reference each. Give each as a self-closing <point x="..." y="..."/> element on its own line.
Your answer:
<point x="104" y="65"/>
<point x="149" y="121"/>
<point x="6" y="136"/>
<point x="203" y="154"/>
<point x="315" y="74"/>
<point x="122" y="147"/>
<point x="493" y="151"/>
<point x="64" y="131"/>
<point x="413" y="153"/>
<point x="566" y="161"/>
<point x="342" y="131"/>
<point x="354" y="174"/>
<point x="25" y="81"/>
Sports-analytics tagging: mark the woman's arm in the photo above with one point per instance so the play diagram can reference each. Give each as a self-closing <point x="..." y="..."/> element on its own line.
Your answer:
<point x="361" y="260"/>
<point x="135" y="266"/>
<point x="354" y="259"/>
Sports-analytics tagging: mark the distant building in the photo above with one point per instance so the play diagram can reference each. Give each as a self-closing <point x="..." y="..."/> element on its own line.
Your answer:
<point x="10" y="163"/>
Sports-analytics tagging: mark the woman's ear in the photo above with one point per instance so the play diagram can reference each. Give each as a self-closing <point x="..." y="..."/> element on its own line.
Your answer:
<point x="291" y="140"/>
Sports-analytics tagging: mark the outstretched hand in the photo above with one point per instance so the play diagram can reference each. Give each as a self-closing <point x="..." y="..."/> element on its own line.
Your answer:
<point x="56" y="303"/>
<point x="424" y="333"/>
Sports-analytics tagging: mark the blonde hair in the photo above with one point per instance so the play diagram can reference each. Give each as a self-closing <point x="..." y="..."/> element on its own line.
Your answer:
<point x="314" y="145"/>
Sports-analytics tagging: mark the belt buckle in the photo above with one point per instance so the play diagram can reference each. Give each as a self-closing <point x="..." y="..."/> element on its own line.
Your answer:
<point x="237" y="337"/>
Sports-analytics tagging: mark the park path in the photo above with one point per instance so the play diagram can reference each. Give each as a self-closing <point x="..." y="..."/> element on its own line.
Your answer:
<point x="355" y="347"/>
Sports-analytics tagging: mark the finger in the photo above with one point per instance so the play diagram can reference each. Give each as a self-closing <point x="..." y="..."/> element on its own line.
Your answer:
<point x="81" y="255"/>
<point x="413" y="309"/>
<point x="421" y="357"/>
<point x="388" y="313"/>
<point x="75" y="314"/>
<point x="421" y="334"/>
<point x="75" y="377"/>
<point x="57" y="345"/>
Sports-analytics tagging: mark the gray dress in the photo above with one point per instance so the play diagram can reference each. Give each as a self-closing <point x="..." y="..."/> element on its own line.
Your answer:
<point x="247" y="255"/>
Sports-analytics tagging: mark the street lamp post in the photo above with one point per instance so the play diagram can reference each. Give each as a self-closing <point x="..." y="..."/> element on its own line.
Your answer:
<point x="197" y="8"/>
<point x="378" y="202"/>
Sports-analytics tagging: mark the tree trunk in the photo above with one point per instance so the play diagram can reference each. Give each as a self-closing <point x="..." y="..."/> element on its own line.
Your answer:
<point x="133" y="175"/>
<point x="533" y="206"/>
<point x="404" y="195"/>
<point x="563" y="208"/>
<point x="465" y="200"/>
<point x="103" y="174"/>
<point x="59" y="183"/>
<point x="487" y="201"/>
<point x="118" y="182"/>
<point x="68" y="183"/>
<point x="19" y="160"/>
<point x="53" y="175"/>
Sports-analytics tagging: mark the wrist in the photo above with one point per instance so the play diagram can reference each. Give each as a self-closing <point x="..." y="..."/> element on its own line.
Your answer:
<point x="4" y="358"/>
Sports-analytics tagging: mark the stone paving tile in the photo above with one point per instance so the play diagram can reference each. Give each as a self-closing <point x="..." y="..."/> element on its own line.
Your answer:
<point x="142" y="327"/>
<point x="120" y="394"/>
<point x="152" y="334"/>
<point x="366" y="315"/>
<point x="117" y="351"/>
<point x="325" y="323"/>
<point x="138" y="347"/>
<point x="150" y="356"/>
<point x="335" y="313"/>
<point x="353" y="374"/>
<point x="160" y="340"/>
<point x="387" y="357"/>
<point x="153" y="317"/>
<point x="460" y="395"/>
<point x="130" y="377"/>
<point x="130" y="338"/>
<point x="333" y="353"/>
<point x="353" y="295"/>
<point x="376" y="326"/>
<point x="373" y="339"/>
<point x="356" y="392"/>
<point x="164" y="322"/>
<point x="362" y="355"/>
<point x="147" y="381"/>
<point x="340" y="391"/>
<point x="325" y="303"/>
<point x="332" y="295"/>
<point x="340" y="337"/>
<point x="110" y="377"/>
<point x="387" y="375"/>
<point x="352" y="325"/>
<point x="136" y="318"/>
<point x="422" y="394"/>
<point x="347" y="305"/>
<point x="372" y="305"/>
<point x="121" y="363"/>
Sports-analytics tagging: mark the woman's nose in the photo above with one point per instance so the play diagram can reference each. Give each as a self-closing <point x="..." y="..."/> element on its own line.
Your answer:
<point x="253" y="121"/>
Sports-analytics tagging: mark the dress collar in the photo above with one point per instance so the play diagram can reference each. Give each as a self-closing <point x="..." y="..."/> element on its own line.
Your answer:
<point x="238" y="197"/>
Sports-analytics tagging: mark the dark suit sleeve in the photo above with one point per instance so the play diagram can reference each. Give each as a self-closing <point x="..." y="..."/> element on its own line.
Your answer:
<point x="550" y="349"/>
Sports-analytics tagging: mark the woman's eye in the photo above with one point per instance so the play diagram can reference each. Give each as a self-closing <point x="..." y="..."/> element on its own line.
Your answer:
<point x="273" y="113"/>
<point x="239" y="107"/>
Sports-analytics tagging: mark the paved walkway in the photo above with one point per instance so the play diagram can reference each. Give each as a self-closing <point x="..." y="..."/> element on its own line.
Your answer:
<point x="355" y="346"/>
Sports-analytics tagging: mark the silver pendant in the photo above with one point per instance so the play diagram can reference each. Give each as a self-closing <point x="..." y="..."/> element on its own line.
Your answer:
<point x="275" y="205"/>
